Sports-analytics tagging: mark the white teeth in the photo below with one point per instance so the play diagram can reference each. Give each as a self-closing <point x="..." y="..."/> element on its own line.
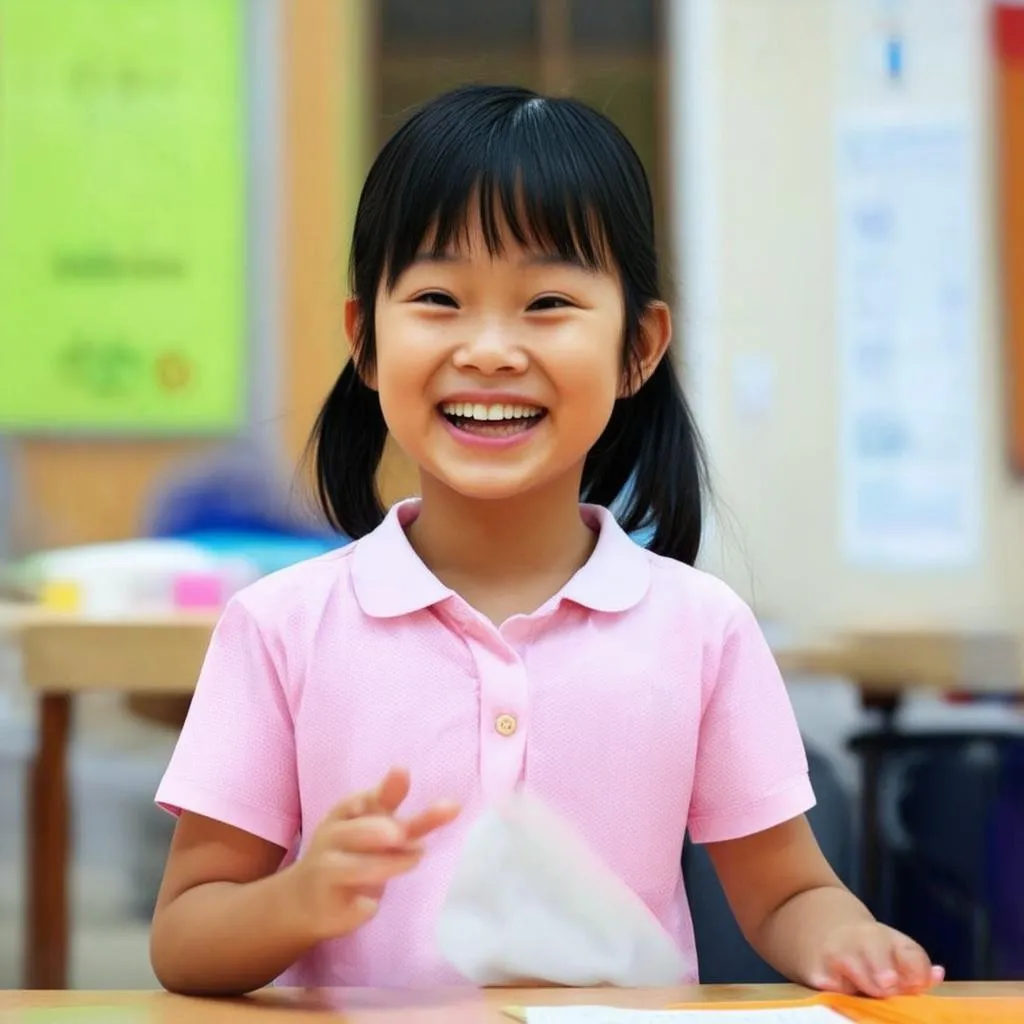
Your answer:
<point x="479" y="411"/>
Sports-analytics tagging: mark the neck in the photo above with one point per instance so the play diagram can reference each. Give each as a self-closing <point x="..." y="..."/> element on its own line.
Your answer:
<point x="514" y="539"/>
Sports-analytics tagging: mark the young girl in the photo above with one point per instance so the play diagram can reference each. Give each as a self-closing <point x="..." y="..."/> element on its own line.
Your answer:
<point x="356" y="712"/>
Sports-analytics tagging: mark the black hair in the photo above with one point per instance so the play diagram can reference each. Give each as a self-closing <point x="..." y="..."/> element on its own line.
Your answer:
<point x="556" y="174"/>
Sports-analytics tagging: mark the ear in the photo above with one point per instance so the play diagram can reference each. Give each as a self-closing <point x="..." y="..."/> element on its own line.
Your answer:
<point x="353" y="320"/>
<point x="653" y="340"/>
<point x="353" y="331"/>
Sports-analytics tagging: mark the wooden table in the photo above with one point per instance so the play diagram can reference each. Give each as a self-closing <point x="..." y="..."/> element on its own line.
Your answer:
<point x="887" y="663"/>
<point x="367" y="1007"/>
<point x="65" y="655"/>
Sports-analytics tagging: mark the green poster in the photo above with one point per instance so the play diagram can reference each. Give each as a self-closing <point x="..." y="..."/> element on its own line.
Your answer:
<point x="122" y="205"/>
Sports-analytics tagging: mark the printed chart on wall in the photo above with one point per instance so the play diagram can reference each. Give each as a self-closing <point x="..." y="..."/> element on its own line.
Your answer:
<point x="122" y="216"/>
<point x="909" y="426"/>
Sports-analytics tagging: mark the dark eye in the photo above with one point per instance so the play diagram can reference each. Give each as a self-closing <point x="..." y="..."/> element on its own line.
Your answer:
<point x="549" y="302"/>
<point x="436" y="299"/>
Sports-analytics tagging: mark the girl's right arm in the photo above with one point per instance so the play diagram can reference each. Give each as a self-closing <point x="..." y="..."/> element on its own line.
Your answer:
<point x="227" y="921"/>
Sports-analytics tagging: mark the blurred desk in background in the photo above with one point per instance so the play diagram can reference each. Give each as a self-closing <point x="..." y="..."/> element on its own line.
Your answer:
<point x="886" y="665"/>
<point x="64" y="655"/>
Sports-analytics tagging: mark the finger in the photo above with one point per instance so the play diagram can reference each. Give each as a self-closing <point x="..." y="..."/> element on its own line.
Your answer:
<point x="913" y="966"/>
<point x="827" y="981"/>
<point x="374" y="892"/>
<point x="362" y="909"/>
<point x="832" y="980"/>
<point x="392" y="791"/>
<point x="433" y="818"/>
<point x="384" y="799"/>
<point x="371" y="835"/>
<point x="355" y="806"/>
<point x="847" y="986"/>
<point x="879" y="960"/>
<point x="937" y="975"/>
<point x="854" y="971"/>
<point x="831" y="977"/>
<point x="360" y="870"/>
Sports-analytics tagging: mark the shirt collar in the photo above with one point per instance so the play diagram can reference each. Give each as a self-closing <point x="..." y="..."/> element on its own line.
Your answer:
<point x="390" y="580"/>
<point x="617" y="575"/>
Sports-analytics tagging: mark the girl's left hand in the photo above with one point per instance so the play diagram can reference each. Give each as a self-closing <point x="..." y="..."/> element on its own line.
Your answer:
<point x="870" y="959"/>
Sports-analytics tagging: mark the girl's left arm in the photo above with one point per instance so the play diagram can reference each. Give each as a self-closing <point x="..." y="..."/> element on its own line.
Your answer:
<point x="800" y="918"/>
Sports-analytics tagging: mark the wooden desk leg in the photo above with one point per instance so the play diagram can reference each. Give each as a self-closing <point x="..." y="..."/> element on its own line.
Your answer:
<point x="872" y="846"/>
<point x="46" y="954"/>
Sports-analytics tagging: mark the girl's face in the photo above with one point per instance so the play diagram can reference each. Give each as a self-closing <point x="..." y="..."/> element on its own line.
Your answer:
<point x="497" y="374"/>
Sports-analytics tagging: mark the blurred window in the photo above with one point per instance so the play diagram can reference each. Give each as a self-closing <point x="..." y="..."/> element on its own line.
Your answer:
<point x="606" y="52"/>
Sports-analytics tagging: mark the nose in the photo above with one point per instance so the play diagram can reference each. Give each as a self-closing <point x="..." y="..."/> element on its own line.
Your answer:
<point x="492" y="349"/>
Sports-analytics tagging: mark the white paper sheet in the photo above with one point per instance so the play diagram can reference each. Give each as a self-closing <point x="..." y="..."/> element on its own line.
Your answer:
<point x="606" y="1015"/>
<point x="910" y="437"/>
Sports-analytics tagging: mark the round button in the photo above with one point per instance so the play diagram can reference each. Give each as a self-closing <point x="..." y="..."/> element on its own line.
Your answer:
<point x="506" y="724"/>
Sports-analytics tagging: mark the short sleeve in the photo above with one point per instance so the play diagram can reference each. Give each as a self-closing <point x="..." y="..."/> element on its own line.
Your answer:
<point x="235" y="758"/>
<point x="751" y="772"/>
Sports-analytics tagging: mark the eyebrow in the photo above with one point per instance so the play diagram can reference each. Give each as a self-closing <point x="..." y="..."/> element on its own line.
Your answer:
<point x="536" y="260"/>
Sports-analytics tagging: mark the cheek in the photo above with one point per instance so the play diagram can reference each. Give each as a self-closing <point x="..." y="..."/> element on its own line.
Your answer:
<point x="404" y="363"/>
<point x="401" y="393"/>
<point x="591" y="374"/>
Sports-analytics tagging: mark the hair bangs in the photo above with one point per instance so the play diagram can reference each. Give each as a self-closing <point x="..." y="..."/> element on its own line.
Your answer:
<point x="533" y="176"/>
<point x="550" y="175"/>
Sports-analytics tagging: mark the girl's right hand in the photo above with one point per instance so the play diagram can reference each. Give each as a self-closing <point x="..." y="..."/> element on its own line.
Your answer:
<point x="356" y="850"/>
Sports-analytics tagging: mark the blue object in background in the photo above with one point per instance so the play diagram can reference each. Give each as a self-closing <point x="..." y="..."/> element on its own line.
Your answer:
<point x="233" y="505"/>
<point x="643" y="536"/>
<point x="227" y="500"/>
<point x="894" y="58"/>
<point x="1005" y="874"/>
<point x="268" y="552"/>
<point x="952" y="844"/>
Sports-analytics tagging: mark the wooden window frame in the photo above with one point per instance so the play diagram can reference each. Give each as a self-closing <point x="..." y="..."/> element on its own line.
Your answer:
<point x="556" y="61"/>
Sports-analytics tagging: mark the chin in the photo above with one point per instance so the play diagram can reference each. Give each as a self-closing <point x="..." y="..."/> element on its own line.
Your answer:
<point x="490" y="486"/>
<point x="483" y="490"/>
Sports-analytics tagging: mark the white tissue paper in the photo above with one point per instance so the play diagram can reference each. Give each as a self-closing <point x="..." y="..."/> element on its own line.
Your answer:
<point x="531" y="901"/>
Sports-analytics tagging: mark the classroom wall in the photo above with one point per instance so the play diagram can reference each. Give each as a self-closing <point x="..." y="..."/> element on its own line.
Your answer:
<point x="308" y="152"/>
<point x="764" y="261"/>
<point x="329" y="147"/>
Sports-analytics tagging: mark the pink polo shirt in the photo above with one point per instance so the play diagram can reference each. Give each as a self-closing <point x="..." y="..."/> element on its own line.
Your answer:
<point x="640" y="701"/>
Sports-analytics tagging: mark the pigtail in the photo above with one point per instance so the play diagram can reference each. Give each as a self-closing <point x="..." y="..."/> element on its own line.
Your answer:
<point x="651" y="453"/>
<point x="347" y="445"/>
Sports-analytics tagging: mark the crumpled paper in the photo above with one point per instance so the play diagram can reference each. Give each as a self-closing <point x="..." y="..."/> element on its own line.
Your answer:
<point x="530" y="901"/>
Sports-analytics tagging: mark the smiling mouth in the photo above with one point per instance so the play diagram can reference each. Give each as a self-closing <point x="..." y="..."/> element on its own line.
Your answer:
<point x="492" y="420"/>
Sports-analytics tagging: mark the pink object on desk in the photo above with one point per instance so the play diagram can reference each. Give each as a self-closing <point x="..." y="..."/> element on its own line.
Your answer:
<point x="198" y="590"/>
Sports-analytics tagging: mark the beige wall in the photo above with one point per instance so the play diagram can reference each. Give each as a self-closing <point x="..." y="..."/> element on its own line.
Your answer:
<point x="780" y="67"/>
